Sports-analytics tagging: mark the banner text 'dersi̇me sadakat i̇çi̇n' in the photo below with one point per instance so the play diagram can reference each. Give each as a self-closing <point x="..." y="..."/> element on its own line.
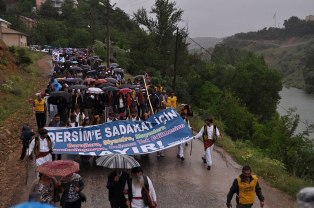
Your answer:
<point x="160" y="131"/>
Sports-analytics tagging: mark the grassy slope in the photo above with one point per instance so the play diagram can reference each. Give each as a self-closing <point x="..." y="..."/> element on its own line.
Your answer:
<point x="18" y="86"/>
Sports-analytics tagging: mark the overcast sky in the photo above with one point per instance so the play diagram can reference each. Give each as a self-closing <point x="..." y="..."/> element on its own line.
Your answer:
<point x="221" y="18"/>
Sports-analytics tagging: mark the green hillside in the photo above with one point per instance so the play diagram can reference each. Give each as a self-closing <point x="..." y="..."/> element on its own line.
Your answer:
<point x="286" y="49"/>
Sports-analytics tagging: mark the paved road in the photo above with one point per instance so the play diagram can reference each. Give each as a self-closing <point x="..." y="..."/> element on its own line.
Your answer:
<point x="178" y="184"/>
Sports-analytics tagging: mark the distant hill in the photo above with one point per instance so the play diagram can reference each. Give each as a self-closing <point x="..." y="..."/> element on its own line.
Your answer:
<point x="205" y="42"/>
<point x="285" y="49"/>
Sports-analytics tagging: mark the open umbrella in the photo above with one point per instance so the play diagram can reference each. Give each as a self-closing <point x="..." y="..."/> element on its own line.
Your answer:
<point x="108" y="84"/>
<point x="100" y="81"/>
<point x="92" y="73"/>
<point x="81" y="87"/>
<point x="62" y="94"/>
<point x="127" y="86"/>
<point x="101" y="66"/>
<point x="60" y="168"/>
<point x="75" y="68"/>
<point x="112" y="80"/>
<point x="117" y="161"/>
<point x="125" y="90"/>
<point x="89" y="80"/>
<point x="85" y="67"/>
<point x="107" y="89"/>
<point x="95" y="90"/>
<point x="98" y="59"/>
<point x="114" y="65"/>
<point x="32" y="204"/>
<point x="119" y="70"/>
<point x="74" y="80"/>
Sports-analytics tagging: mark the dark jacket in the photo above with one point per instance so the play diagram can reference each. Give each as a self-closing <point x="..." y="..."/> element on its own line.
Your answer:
<point x="26" y="135"/>
<point x="116" y="188"/>
<point x="55" y="124"/>
<point x="235" y="189"/>
<point x="144" y="193"/>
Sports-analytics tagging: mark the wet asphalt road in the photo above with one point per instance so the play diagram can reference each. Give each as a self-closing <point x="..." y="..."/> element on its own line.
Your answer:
<point x="178" y="184"/>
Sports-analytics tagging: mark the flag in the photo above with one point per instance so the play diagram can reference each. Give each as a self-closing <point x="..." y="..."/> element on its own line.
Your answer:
<point x="274" y="15"/>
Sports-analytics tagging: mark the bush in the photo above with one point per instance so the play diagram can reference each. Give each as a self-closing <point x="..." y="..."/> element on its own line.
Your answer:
<point x="21" y="56"/>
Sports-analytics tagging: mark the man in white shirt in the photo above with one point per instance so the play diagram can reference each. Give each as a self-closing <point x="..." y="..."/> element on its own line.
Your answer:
<point x="42" y="147"/>
<point x="140" y="190"/>
<point x="210" y="134"/>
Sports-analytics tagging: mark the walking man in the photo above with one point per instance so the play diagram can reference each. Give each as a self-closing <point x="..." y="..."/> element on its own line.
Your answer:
<point x="181" y="147"/>
<point x="26" y="137"/>
<point x="210" y="134"/>
<point x="140" y="189"/>
<point x="116" y="183"/>
<point x="245" y="187"/>
<point x="42" y="147"/>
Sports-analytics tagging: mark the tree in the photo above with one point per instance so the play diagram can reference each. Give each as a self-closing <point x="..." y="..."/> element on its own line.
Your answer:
<point x="161" y="28"/>
<point x="47" y="10"/>
<point x="3" y="6"/>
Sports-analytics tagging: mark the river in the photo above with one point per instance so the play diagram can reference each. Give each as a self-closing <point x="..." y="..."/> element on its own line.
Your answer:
<point x="303" y="102"/>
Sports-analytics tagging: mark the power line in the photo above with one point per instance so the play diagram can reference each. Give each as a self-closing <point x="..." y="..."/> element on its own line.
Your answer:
<point x="200" y="45"/>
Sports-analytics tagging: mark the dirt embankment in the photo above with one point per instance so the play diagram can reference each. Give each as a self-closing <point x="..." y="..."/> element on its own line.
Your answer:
<point x="13" y="171"/>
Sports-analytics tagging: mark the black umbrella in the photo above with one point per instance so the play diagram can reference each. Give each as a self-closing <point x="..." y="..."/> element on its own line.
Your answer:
<point x="119" y="70"/>
<point x="107" y="89"/>
<point x="112" y="80"/>
<point x="81" y="87"/>
<point x="85" y="67"/>
<point x="114" y="65"/>
<point x="74" y="80"/>
<point x="75" y="68"/>
<point x="98" y="59"/>
<point x="101" y="66"/>
<point x="91" y="72"/>
<point x="108" y="84"/>
<point x="61" y="94"/>
<point x="127" y="86"/>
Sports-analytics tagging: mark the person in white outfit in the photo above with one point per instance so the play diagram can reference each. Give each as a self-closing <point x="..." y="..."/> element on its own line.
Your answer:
<point x="181" y="147"/>
<point x="140" y="190"/>
<point x="42" y="147"/>
<point x="210" y="133"/>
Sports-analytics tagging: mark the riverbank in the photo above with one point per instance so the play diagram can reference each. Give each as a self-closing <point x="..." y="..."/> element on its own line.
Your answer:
<point x="301" y="102"/>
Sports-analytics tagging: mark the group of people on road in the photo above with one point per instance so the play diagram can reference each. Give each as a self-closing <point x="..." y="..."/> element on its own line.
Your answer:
<point x="77" y="106"/>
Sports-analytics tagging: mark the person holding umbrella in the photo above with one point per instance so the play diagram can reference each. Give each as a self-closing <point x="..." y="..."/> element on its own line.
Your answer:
<point x="71" y="182"/>
<point x="26" y="137"/>
<point x="45" y="186"/>
<point x="115" y="184"/>
<point x="72" y="186"/>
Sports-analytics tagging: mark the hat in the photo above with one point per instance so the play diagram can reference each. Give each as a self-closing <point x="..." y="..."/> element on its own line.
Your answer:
<point x="209" y="119"/>
<point x="42" y="131"/>
<point x="137" y="170"/>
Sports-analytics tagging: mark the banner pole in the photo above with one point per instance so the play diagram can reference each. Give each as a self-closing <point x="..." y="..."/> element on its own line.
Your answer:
<point x="150" y="104"/>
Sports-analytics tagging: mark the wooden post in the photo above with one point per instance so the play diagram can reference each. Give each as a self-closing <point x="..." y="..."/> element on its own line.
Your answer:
<point x="150" y="104"/>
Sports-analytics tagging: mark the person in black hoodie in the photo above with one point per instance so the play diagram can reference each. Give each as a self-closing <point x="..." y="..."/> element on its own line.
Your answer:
<point x="26" y="137"/>
<point x="116" y="183"/>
